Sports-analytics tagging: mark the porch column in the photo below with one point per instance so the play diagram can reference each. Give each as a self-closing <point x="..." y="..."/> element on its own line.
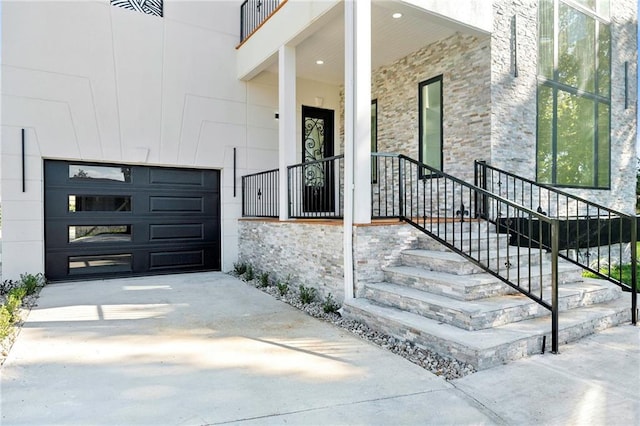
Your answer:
<point x="286" y="123"/>
<point x="357" y="125"/>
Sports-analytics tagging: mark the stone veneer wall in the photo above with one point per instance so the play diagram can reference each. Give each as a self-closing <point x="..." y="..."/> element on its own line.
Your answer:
<point x="377" y="246"/>
<point x="513" y="99"/>
<point x="311" y="253"/>
<point x="464" y="63"/>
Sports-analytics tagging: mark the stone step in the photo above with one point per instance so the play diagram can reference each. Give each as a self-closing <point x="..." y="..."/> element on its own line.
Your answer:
<point x="490" y="312"/>
<point x="489" y="347"/>
<point x="498" y="260"/>
<point x="478" y="286"/>
<point x="464" y="241"/>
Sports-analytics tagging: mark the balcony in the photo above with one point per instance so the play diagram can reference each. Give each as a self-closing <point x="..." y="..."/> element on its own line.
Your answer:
<point x="253" y="13"/>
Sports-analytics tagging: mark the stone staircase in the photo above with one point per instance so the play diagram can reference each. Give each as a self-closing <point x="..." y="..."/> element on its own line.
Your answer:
<point x="438" y="299"/>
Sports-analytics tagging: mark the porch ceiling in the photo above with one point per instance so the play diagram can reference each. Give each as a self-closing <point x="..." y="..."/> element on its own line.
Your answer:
<point x="391" y="39"/>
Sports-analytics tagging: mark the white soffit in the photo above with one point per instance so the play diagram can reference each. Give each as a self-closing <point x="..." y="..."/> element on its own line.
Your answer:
<point x="391" y="40"/>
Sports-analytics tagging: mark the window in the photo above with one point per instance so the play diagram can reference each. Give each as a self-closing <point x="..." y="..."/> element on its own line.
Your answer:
<point x="99" y="233"/>
<point x="102" y="173"/>
<point x="99" y="264"/>
<point x="430" y="122"/>
<point x="374" y="140"/>
<point x="574" y="75"/>
<point x="99" y="203"/>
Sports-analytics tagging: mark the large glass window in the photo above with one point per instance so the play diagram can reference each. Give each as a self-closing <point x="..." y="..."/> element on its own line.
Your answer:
<point x="574" y="74"/>
<point x="430" y="125"/>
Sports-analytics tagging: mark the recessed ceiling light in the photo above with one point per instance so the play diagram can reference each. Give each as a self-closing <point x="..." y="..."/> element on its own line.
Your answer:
<point x="319" y="62"/>
<point x="397" y="15"/>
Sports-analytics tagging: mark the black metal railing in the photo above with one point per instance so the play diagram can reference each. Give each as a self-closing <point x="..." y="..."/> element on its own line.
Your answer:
<point x="445" y="208"/>
<point x="384" y="186"/>
<point x="598" y="239"/>
<point x="260" y="192"/>
<point x="316" y="188"/>
<point x="253" y="13"/>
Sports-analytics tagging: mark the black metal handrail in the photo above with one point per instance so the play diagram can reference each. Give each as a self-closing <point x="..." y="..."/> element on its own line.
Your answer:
<point x="434" y="202"/>
<point x="384" y="186"/>
<point x="316" y="188"/>
<point x="592" y="236"/>
<point x="441" y="206"/>
<point x="260" y="192"/>
<point x="253" y="13"/>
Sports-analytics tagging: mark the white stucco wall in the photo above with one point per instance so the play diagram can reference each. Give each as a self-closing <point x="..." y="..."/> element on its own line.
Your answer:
<point x="93" y="82"/>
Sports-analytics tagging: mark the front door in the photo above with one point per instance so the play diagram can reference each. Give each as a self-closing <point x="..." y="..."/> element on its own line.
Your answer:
<point x="317" y="144"/>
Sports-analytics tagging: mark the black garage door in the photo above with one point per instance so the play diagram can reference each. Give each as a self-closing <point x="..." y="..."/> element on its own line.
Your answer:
<point x="106" y="220"/>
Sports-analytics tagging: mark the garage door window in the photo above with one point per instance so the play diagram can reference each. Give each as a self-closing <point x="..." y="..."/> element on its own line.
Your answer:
<point x="99" y="203"/>
<point x="99" y="233"/>
<point x="101" y="264"/>
<point x="102" y="173"/>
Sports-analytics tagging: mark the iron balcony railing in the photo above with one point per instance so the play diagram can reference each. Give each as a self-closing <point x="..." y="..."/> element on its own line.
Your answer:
<point x="253" y="13"/>
<point x="260" y="193"/>
<point x="316" y="189"/>
<point x="596" y="238"/>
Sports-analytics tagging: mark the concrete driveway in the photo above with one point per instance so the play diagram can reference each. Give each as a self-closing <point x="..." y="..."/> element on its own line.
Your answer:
<point x="208" y="349"/>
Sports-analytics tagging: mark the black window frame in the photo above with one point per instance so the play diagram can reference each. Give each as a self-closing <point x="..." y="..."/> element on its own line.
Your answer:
<point x="556" y="86"/>
<point x="421" y="85"/>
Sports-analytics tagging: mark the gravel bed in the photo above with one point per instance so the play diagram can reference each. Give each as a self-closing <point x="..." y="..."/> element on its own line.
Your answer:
<point x="439" y="365"/>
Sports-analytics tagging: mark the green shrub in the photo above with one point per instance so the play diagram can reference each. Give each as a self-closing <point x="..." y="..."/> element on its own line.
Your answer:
<point x="6" y="320"/>
<point x="264" y="279"/>
<point x="249" y="274"/>
<point x="307" y="294"/>
<point x="329" y="305"/>
<point x="240" y="268"/>
<point x="14" y="301"/>
<point x="15" y="292"/>
<point x="31" y="282"/>
<point x="283" y="288"/>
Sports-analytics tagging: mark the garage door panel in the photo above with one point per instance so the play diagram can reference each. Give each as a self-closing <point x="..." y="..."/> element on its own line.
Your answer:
<point x="176" y="259"/>
<point x="176" y="177"/>
<point x="159" y="220"/>
<point x="159" y="204"/>
<point x="164" y="232"/>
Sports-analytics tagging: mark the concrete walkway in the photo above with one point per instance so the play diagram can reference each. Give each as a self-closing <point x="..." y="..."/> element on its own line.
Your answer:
<point x="208" y="349"/>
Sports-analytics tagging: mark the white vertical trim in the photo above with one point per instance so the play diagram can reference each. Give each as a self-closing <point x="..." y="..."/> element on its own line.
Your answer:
<point x="286" y="122"/>
<point x="349" y="125"/>
<point x="362" y="107"/>
<point x="357" y="143"/>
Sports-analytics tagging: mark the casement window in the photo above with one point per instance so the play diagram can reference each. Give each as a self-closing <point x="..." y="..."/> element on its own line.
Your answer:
<point x="430" y="122"/>
<point x="574" y="95"/>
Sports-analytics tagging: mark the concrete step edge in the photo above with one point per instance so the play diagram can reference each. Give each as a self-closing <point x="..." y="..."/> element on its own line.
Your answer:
<point x="490" y="347"/>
